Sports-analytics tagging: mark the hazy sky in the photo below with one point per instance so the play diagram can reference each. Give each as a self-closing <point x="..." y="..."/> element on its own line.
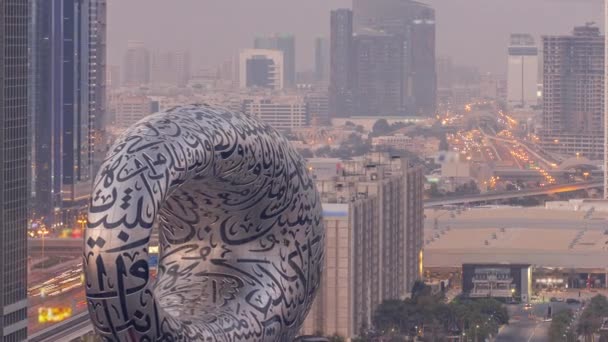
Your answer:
<point x="473" y="32"/>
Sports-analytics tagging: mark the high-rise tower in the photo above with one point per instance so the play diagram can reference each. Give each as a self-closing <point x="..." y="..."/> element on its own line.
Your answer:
<point x="606" y="103"/>
<point x="341" y="69"/>
<point x="170" y="67"/>
<point x="97" y="81"/>
<point x="378" y="61"/>
<point x="136" y="65"/>
<point x="573" y="99"/>
<point x="522" y="74"/>
<point x="69" y="69"/>
<point x="14" y="150"/>
<point x="321" y="59"/>
<point x="287" y="44"/>
<point x="414" y="22"/>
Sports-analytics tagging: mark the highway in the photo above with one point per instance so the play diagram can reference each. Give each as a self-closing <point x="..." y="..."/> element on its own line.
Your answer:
<point x="523" y="144"/>
<point x="494" y="196"/>
<point x="68" y="330"/>
<point x="529" y="325"/>
<point x="58" y="287"/>
<point x="66" y="281"/>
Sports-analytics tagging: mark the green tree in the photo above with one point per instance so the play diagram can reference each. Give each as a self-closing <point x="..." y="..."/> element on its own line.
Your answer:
<point x="434" y="191"/>
<point x="306" y="153"/>
<point x="336" y="338"/>
<point x="559" y="325"/>
<point x="381" y="127"/>
<point x="389" y="315"/>
<point x="443" y="143"/>
<point x="590" y="320"/>
<point x="397" y="319"/>
<point x="324" y="151"/>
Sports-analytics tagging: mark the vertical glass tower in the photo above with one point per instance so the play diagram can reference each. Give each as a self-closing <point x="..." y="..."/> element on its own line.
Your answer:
<point x="69" y="72"/>
<point x="606" y="103"/>
<point x="14" y="151"/>
<point x="414" y="22"/>
<point x="341" y="71"/>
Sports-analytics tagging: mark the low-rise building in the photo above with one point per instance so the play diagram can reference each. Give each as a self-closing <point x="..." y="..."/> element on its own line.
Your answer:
<point x="502" y="281"/>
<point x="281" y="112"/>
<point x="129" y="109"/>
<point x="419" y="145"/>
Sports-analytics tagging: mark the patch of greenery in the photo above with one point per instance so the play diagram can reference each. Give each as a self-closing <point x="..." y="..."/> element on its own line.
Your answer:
<point x="427" y="316"/>
<point x="560" y="323"/>
<point x="592" y="317"/>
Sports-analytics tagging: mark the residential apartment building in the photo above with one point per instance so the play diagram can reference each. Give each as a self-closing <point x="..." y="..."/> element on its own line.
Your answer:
<point x="373" y="212"/>
<point x="573" y="98"/>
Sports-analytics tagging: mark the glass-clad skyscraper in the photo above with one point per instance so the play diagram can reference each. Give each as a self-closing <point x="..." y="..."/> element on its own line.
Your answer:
<point x="414" y="22"/>
<point x="69" y="71"/>
<point x="14" y="150"/>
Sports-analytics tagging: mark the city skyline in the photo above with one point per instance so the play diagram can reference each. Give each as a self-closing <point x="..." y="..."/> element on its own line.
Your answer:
<point x="500" y="20"/>
<point x="395" y="168"/>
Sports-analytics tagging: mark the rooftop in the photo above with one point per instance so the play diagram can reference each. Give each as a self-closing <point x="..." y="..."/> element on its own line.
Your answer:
<point x="539" y="236"/>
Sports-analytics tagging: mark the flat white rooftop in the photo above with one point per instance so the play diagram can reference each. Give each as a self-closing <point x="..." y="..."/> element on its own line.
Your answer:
<point x="538" y="236"/>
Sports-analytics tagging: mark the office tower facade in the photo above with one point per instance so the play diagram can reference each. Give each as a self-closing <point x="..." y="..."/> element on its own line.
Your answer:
<point x="605" y="103"/>
<point x="97" y="70"/>
<point x="287" y="44"/>
<point x="522" y="73"/>
<point x="281" y="112"/>
<point x="136" y="64"/>
<point x="70" y="103"/>
<point x="341" y="70"/>
<point x="373" y="212"/>
<point x="227" y="73"/>
<point x="260" y="68"/>
<point x="378" y="88"/>
<point x="573" y="98"/>
<point x="321" y="59"/>
<point x="113" y="77"/>
<point x="14" y="184"/>
<point x="415" y="23"/>
<point x="444" y="67"/>
<point x="423" y="71"/>
<point x="171" y="67"/>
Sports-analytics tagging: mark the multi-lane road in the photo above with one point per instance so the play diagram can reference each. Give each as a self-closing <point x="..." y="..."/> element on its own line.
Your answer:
<point x="494" y="196"/>
<point x="530" y="325"/>
<point x="61" y="289"/>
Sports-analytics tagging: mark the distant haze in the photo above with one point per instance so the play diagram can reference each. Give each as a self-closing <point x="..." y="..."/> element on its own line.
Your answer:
<point x="473" y="32"/>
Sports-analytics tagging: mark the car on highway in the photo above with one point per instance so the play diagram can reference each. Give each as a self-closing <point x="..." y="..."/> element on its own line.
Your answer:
<point x="553" y="300"/>
<point x="572" y="301"/>
<point x="527" y="306"/>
